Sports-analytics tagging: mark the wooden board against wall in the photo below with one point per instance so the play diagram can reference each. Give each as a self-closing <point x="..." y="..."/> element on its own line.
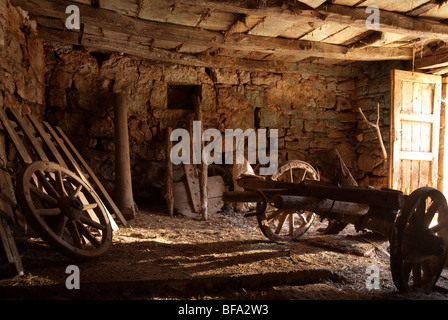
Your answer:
<point x="183" y="202"/>
<point x="415" y="125"/>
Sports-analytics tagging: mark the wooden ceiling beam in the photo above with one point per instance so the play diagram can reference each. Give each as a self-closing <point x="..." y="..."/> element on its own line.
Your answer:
<point x="437" y="60"/>
<point x="439" y="71"/>
<point x="98" y="42"/>
<point x="109" y="20"/>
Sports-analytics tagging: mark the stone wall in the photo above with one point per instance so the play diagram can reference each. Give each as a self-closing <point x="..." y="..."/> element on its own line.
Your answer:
<point x="373" y="86"/>
<point x="21" y="61"/>
<point x="310" y="111"/>
<point x="22" y="82"/>
<point x="72" y="88"/>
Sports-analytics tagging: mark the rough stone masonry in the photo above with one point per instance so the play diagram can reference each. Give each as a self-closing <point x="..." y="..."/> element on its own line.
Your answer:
<point x="70" y="87"/>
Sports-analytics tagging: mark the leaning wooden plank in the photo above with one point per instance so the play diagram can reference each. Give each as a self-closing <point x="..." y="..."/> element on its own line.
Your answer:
<point x="5" y="199"/>
<point x="21" y="149"/>
<point x="101" y="190"/>
<point x="169" y="174"/>
<point x="47" y="140"/>
<point x="73" y="165"/>
<point x="54" y="152"/>
<point x="25" y="128"/>
<point x="182" y="201"/>
<point x="10" y="247"/>
<point x="193" y="186"/>
<point x="77" y="169"/>
<point x="7" y="192"/>
<point x="203" y="167"/>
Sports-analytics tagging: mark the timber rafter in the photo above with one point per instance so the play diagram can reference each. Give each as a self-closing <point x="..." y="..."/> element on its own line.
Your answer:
<point x="123" y="28"/>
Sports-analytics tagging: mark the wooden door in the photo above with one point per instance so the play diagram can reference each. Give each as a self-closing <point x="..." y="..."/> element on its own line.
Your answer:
<point x="415" y="125"/>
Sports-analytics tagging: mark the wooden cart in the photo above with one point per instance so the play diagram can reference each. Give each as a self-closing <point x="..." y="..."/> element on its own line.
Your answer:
<point x="416" y="224"/>
<point x="57" y="192"/>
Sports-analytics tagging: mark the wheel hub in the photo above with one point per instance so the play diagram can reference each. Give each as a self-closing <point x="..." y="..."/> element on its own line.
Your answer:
<point x="71" y="207"/>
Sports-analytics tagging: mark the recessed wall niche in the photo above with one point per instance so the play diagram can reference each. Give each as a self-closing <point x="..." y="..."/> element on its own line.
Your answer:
<point x="182" y="97"/>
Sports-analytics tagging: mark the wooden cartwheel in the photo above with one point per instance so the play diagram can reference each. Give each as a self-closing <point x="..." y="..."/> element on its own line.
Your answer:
<point x="59" y="194"/>
<point x="285" y="225"/>
<point x="419" y="240"/>
<point x="64" y="210"/>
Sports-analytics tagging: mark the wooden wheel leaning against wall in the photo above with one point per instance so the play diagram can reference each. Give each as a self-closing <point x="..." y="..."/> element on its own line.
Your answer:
<point x="64" y="210"/>
<point x="284" y="225"/>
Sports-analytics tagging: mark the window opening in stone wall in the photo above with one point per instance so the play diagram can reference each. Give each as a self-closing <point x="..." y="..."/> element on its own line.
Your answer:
<point x="182" y="96"/>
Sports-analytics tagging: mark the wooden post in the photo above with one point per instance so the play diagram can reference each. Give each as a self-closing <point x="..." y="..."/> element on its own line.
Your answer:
<point x="123" y="181"/>
<point x="442" y="183"/>
<point x="203" y="168"/>
<point x="169" y="195"/>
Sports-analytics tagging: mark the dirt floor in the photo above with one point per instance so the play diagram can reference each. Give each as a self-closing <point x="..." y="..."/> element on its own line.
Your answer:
<point x="225" y="257"/>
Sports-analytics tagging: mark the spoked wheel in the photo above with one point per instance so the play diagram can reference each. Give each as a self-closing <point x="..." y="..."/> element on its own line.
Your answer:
<point x="419" y="241"/>
<point x="285" y="225"/>
<point x="64" y="210"/>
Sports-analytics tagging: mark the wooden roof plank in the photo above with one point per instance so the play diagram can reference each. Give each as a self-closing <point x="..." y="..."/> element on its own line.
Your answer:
<point x="271" y="27"/>
<point x="191" y="18"/>
<point x="313" y="3"/>
<point x="439" y="13"/>
<point x="219" y="21"/>
<point x="344" y="35"/>
<point x="108" y="20"/>
<point x="396" y="6"/>
<point x="334" y="14"/>
<point x="296" y="30"/>
<point x="422" y="9"/>
<point x="322" y="32"/>
<point x="346" y="2"/>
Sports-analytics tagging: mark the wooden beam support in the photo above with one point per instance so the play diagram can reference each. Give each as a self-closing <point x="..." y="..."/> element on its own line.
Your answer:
<point x="123" y="180"/>
<point x="389" y="22"/>
<point x="116" y="22"/>
<point x="204" y="60"/>
<point x="433" y="61"/>
<point x="439" y="71"/>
